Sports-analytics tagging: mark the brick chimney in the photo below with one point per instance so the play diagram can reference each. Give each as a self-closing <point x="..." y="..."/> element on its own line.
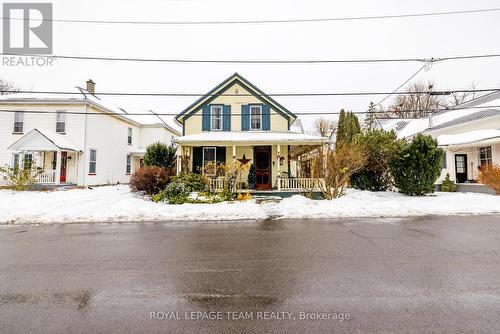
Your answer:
<point x="91" y="86"/>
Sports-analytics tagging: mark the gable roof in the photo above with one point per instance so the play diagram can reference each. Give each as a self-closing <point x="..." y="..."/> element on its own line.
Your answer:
<point x="224" y="85"/>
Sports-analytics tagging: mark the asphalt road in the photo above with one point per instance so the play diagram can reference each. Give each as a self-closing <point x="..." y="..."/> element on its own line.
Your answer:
<point x="418" y="275"/>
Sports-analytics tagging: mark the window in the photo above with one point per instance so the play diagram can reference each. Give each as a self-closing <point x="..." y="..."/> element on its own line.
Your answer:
<point x="18" y="122"/>
<point x="15" y="161"/>
<point x="485" y="156"/>
<point x="255" y="117"/>
<point x="129" y="138"/>
<point x="209" y="155"/>
<point x="27" y="160"/>
<point x="60" y="122"/>
<point x="129" y="164"/>
<point x="93" y="162"/>
<point x="443" y="161"/>
<point x="216" y="113"/>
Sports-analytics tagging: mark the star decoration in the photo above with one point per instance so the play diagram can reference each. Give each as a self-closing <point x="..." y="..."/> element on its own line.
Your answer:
<point x="244" y="160"/>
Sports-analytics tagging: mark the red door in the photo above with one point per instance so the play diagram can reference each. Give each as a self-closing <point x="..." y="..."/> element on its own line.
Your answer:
<point x="64" y="162"/>
<point x="262" y="158"/>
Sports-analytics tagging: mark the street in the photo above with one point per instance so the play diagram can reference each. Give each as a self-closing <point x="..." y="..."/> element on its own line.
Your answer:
<point x="398" y="275"/>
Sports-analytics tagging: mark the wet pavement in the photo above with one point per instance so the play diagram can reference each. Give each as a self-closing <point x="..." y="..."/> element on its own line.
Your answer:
<point x="413" y="275"/>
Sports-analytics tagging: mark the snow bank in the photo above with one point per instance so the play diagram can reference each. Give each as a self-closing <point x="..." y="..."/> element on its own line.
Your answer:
<point x="111" y="204"/>
<point x="118" y="204"/>
<point x="389" y="204"/>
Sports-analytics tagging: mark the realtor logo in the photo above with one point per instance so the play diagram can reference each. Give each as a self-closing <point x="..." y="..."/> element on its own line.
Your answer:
<point x="27" y="28"/>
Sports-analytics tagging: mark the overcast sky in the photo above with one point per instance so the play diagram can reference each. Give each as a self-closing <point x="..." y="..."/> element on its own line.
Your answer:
<point x="438" y="36"/>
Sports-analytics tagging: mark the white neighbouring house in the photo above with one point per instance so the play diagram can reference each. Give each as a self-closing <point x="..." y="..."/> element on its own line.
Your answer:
<point x="77" y="139"/>
<point x="469" y="135"/>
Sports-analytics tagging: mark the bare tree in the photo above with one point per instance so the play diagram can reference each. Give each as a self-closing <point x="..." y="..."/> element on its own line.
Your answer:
<point x="325" y="127"/>
<point x="7" y="87"/>
<point x="457" y="98"/>
<point x="417" y="104"/>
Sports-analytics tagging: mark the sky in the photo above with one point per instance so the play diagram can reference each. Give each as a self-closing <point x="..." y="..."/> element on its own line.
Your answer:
<point x="423" y="37"/>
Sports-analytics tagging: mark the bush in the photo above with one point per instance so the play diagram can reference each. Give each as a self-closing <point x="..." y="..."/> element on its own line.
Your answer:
<point x="490" y="176"/>
<point x="192" y="182"/>
<point x="417" y="167"/>
<point x="381" y="147"/>
<point x="18" y="178"/>
<point x="160" y="155"/>
<point x="150" y="179"/>
<point x="448" y="185"/>
<point x="347" y="159"/>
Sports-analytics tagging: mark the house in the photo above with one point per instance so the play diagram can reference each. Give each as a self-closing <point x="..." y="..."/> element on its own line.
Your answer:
<point x="237" y="121"/>
<point x="77" y="139"/>
<point x="469" y="134"/>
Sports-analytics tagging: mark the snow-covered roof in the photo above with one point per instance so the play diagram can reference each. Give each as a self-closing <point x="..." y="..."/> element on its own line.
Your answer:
<point x="37" y="140"/>
<point x="83" y="96"/>
<point x="297" y="126"/>
<point x="468" y="137"/>
<point x="250" y="137"/>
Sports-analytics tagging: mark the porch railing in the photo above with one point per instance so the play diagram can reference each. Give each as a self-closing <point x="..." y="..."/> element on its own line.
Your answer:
<point x="300" y="183"/>
<point x="216" y="184"/>
<point x="47" y="176"/>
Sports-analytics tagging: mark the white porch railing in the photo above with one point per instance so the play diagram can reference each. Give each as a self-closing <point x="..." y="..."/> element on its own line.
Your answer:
<point x="300" y="183"/>
<point x="47" y="176"/>
<point x="216" y="184"/>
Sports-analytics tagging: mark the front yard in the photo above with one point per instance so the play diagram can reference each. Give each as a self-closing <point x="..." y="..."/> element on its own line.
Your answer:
<point x="118" y="204"/>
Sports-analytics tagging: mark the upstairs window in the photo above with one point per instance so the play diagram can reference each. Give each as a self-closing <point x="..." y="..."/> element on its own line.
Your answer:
<point x="129" y="136"/>
<point x="60" y="122"/>
<point x="255" y="117"/>
<point x="485" y="158"/>
<point x="93" y="162"/>
<point x="216" y="113"/>
<point x="18" y="122"/>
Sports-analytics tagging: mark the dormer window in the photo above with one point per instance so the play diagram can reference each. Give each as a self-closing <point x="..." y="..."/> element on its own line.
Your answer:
<point x="216" y="116"/>
<point x="255" y="117"/>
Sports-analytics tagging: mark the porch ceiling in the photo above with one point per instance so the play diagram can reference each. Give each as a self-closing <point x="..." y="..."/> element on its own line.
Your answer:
<point x="229" y="138"/>
<point x="36" y="140"/>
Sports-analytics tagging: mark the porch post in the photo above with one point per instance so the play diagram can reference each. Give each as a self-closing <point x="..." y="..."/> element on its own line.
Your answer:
<point x="57" y="179"/>
<point x="234" y="152"/>
<point x="179" y="159"/>
<point x="278" y="149"/>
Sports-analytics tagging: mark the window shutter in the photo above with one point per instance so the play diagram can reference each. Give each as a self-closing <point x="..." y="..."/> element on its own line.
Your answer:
<point x="226" y="118"/>
<point x="205" y="118"/>
<point x="266" y="117"/>
<point x="245" y="117"/>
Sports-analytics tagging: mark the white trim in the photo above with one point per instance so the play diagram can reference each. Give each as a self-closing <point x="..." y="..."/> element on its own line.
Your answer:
<point x="203" y="155"/>
<point x="261" y="119"/>
<point x="220" y="117"/>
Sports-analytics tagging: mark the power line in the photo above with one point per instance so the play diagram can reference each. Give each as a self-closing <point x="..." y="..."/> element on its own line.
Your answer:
<point x="314" y="113"/>
<point x="346" y="18"/>
<point x="439" y="92"/>
<point x="260" y="61"/>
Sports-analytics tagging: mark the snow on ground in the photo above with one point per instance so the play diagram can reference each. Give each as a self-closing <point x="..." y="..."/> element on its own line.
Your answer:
<point x="389" y="204"/>
<point x="118" y="204"/>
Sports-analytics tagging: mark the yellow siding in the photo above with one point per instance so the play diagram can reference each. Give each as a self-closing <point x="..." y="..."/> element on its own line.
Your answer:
<point x="193" y="123"/>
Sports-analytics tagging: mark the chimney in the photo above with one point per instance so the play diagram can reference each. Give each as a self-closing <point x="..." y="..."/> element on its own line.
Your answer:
<point x="91" y="86"/>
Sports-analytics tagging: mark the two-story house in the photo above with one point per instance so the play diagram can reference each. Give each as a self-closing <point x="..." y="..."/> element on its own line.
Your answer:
<point x="78" y="139"/>
<point x="237" y="121"/>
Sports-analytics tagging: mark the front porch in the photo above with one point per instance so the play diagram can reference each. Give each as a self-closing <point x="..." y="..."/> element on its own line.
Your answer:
<point x="272" y="156"/>
<point x="57" y="159"/>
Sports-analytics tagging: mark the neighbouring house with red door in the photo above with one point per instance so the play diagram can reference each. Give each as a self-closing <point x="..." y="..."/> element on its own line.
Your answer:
<point x="77" y="139"/>
<point x="468" y="133"/>
<point x="236" y="121"/>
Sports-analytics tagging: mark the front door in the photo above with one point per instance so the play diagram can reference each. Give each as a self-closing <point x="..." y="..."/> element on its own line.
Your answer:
<point x="262" y="159"/>
<point x="64" y="162"/>
<point x="461" y="168"/>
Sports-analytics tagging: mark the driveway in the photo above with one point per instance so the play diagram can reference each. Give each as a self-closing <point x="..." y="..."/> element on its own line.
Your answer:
<point x="414" y="275"/>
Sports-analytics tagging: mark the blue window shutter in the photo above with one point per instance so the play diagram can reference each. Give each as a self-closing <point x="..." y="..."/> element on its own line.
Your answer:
<point x="205" y="118"/>
<point x="266" y="117"/>
<point x="245" y="117"/>
<point x="226" y="118"/>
